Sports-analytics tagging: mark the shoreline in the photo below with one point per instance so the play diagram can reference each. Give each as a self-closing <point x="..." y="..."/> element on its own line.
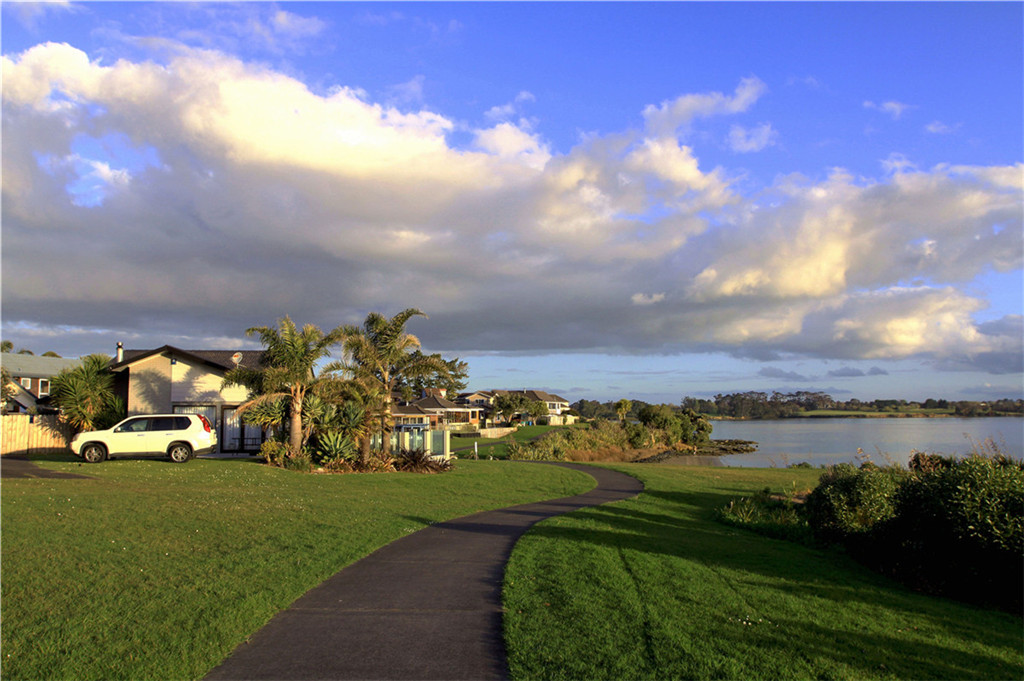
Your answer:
<point x="865" y="415"/>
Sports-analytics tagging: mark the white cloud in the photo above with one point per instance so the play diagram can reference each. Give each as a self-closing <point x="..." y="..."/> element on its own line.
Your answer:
<point x="940" y="128"/>
<point x="745" y="140"/>
<point x="647" y="299"/>
<point x="669" y="116"/>
<point x="271" y="199"/>
<point x="892" y="108"/>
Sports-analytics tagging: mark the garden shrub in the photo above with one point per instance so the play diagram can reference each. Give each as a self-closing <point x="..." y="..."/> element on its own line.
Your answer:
<point x="848" y="501"/>
<point x="420" y="461"/>
<point x="274" y="452"/>
<point x="958" y="529"/>
<point x="333" y="447"/>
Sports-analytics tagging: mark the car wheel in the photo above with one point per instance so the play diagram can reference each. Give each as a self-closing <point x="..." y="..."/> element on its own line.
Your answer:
<point x="94" y="453"/>
<point x="180" y="452"/>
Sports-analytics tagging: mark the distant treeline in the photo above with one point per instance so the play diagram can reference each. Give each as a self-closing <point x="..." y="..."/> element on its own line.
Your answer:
<point x="776" y="405"/>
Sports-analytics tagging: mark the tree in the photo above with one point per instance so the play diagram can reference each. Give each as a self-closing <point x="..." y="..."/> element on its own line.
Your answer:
<point x="622" y="408"/>
<point x="452" y="380"/>
<point x="85" y="394"/>
<point x="380" y="355"/>
<point x="537" y="410"/>
<point x="6" y="346"/>
<point x="510" y="404"/>
<point x="6" y="386"/>
<point x="286" y="370"/>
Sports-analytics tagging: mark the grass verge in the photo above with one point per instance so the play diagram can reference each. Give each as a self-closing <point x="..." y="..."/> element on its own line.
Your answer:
<point x="151" y="570"/>
<point x="655" y="588"/>
<point x="496" y="447"/>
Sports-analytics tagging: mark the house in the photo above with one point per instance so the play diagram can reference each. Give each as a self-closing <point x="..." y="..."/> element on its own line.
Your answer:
<point x="172" y="380"/>
<point x="445" y="414"/>
<point x="31" y="377"/>
<point x="410" y="417"/>
<point x="557" y="406"/>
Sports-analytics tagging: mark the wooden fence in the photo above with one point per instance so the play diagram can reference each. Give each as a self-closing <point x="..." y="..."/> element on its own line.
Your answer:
<point x="24" y="434"/>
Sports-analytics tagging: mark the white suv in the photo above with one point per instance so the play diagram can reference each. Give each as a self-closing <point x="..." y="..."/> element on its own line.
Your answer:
<point x="179" y="436"/>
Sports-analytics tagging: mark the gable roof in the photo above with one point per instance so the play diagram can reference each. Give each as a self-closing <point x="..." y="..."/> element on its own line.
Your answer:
<point x="218" y="359"/>
<point x="31" y="366"/>
<point x="535" y="395"/>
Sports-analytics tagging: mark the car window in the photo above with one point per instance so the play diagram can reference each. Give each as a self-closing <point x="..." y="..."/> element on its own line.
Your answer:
<point x="133" y="426"/>
<point x="182" y="423"/>
<point x="164" y="423"/>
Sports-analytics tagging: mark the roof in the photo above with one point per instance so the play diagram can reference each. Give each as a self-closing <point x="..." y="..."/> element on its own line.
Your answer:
<point x="438" y="404"/>
<point x="31" y="366"/>
<point x="408" y="410"/>
<point x="220" y="359"/>
<point x="535" y="395"/>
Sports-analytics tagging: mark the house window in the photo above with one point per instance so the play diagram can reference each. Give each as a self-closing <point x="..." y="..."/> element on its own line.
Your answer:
<point x="25" y="383"/>
<point x="44" y="386"/>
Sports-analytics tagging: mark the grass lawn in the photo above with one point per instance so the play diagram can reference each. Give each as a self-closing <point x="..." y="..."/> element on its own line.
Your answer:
<point x="655" y="588"/>
<point x="151" y="570"/>
<point x="496" y="446"/>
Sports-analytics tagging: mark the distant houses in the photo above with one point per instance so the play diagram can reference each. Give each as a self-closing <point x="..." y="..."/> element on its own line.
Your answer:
<point x="31" y="377"/>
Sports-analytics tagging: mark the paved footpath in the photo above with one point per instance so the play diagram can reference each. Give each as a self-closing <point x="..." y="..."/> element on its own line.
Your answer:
<point x="426" y="606"/>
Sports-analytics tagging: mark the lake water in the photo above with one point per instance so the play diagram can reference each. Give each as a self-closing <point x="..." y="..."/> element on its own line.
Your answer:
<point x="830" y="441"/>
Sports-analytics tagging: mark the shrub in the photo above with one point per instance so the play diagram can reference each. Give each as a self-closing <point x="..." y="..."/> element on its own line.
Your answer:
<point x="850" y="501"/>
<point x="959" y="530"/>
<point x="420" y="461"/>
<point x="303" y="462"/>
<point x="637" y="435"/>
<point x="274" y="452"/>
<point x="334" y="447"/>
<point x="767" y="514"/>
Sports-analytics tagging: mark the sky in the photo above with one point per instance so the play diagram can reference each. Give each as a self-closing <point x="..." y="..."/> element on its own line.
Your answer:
<point x="600" y="200"/>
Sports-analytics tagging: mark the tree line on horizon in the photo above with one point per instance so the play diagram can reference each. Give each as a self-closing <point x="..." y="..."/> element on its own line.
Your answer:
<point x="777" y="405"/>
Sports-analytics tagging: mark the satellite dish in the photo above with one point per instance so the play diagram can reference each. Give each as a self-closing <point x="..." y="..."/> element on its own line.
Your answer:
<point x="236" y="358"/>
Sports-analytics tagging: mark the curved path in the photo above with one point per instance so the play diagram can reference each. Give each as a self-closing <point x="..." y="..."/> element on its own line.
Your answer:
<point x="426" y="606"/>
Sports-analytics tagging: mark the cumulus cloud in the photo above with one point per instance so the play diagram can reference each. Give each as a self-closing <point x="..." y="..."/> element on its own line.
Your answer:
<point x="743" y="140"/>
<point x="892" y="108"/>
<point x="266" y="198"/>
<point x="669" y="116"/>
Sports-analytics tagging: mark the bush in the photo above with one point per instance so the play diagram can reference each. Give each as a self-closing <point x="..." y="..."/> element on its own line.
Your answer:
<point x="274" y="452"/>
<point x="332" y="448"/>
<point x="420" y="461"/>
<point x="768" y="514"/>
<point x="848" y="501"/>
<point x="959" y="530"/>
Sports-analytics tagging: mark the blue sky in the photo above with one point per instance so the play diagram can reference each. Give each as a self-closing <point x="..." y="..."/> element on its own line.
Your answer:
<point x="604" y="200"/>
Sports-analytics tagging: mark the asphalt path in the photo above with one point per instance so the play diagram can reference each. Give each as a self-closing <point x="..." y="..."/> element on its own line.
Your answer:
<point x="13" y="467"/>
<point x="426" y="606"/>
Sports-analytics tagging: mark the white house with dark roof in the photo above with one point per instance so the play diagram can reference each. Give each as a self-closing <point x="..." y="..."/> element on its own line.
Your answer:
<point x="171" y="380"/>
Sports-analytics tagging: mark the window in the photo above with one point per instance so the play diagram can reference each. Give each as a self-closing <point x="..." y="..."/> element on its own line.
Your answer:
<point x="25" y="383"/>
<point x="171" y="423"/>
<point x="44" y="386"/>
<point x="133" y="426"/>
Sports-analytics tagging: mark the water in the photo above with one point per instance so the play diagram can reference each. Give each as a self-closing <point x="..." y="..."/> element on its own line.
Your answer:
<point x="830" y="441"/>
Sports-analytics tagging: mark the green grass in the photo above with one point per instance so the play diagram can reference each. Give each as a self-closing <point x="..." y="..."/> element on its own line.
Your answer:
<point x="152" y="570"/>
<point x="496" y="446"/>
<point x="655" y="588"/>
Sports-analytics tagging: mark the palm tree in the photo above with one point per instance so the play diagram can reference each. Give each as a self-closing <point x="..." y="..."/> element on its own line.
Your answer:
<point x="85" y="394"/>
<point x="622" y="407"/>
<point x="379" y="356"/>
<point x="286" y="371"/>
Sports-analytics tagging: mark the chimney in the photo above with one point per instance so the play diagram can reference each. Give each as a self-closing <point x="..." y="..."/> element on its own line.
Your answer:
<point x="120" y="352"/>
